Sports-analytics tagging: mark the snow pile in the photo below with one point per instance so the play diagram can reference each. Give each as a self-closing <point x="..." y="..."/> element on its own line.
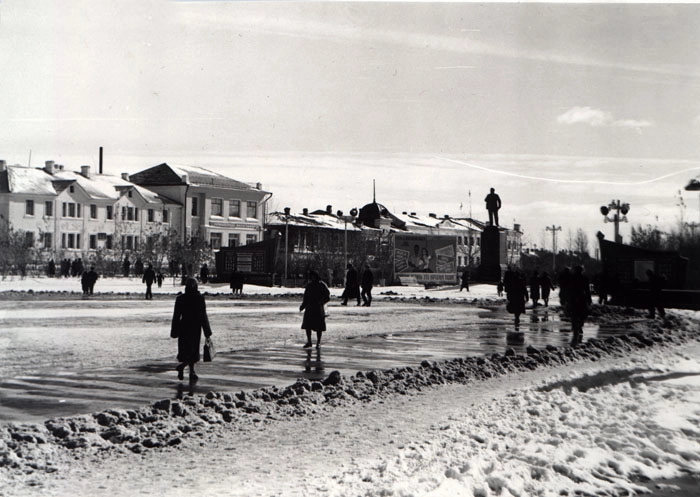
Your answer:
<point x="552" y="442"/>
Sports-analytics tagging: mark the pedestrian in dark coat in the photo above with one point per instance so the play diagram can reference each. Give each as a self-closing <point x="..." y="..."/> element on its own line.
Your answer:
<point x="578" y="299"/>
<point x="149" y="276"/>
<point x="126" y="266"/>
<point x="656" y="284"/>
<point x="465" y="280"/>
<point x="546" y="287"/>
<point x="189" y="320"/>
<point x="204" y="274"/>
<point x="92" y="279"/>
<point x="159" y="279"/>
<point x="508" y="279"/>
<point x="564" y="280"/>
<point x="367" y="284"/>
<point x="84" y="283"/>
<point x="316" y="295"/>
<point x="517" y="297"/>
<point x="535" y="288"/>
<point x="352" y="289"/>
<point x="52" y="269"/>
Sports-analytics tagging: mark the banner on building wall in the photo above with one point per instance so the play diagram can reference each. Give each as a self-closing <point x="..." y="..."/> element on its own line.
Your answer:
<point x="424" y="255"/>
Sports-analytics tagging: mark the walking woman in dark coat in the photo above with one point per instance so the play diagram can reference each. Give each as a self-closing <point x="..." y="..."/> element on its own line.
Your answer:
<point x="546" y="286"/>
<point x="189" y="319"/>
<point x="535" y="289"/>
<point x="517" y="297"/>
<point x="578" y="299"/>
<point x="316" y="295"/>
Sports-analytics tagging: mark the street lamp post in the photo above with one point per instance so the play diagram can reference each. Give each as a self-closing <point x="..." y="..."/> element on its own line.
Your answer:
<point x="554" y="230"/>
<point x="619" y="208"/>
<point x="287" y="210"/>
<point x="347" y="218"/>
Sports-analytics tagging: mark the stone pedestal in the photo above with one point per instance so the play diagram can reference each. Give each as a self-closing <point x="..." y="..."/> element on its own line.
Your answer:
<point x="490" y="269"/>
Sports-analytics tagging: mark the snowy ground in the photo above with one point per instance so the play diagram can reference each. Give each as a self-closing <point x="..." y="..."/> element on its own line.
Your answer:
<point x="596" y="420"/>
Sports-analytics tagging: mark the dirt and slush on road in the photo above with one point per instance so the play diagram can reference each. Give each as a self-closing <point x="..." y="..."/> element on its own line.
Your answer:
<point x="34" y="457"/>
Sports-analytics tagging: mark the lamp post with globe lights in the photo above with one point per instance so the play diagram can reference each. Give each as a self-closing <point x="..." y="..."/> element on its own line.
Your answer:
<point x="619" y="208"/>
<point x="348" y="219"/>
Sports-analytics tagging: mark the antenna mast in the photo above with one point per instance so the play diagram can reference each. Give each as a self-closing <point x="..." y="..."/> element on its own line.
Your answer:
<point x="374" y="191"/>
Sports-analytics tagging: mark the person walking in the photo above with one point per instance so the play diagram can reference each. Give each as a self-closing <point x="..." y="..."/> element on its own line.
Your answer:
<point x="535" y="289"/>
<point x="564" y="281"/>
<point x="159" y="279"/>
<point x="546" y="287"/>
<point x="92" y="279"/>
<point x="517" y="296"/>
<point x="204" y="274"/>
<point x="352" y="290"/>
<point x="465" y="280"/>
<point x="149" y="276"/>
<point x="189" y="320"/>
<point x="126" y="266"/>
<point x="52" y="269"/>
<point x="656" y="284"/>
<point x="493" y="204"/>
<point x="367" y="284"/>
<point x="84" y="283"/>
<point x="316" y="295"/>
<point x="578" y="299"/>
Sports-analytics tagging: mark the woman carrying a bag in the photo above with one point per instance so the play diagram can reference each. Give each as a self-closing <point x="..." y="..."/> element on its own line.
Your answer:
<point x="189" y="319"/>
<point x="316" y="295"/>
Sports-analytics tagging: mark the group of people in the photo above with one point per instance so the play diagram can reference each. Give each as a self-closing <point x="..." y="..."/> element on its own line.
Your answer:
<point x="574" y="293"/>
<point x="358" y="288"/>
<point x="67" y="268"/>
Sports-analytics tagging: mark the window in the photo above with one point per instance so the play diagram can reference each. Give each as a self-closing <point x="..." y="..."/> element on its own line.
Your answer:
<point x="93" y="241"/>
<point x="63" y="240"/>
<point x="108" y="242"/>
<point x="215" y="240"/>
<point x="110" y="212"/>
<point x="71" y="209"/>
<point x="217" y="207"/>
<point x="71" y="240"/>
<point x="93" y="211"/>
<point x="28" y="239"/>
<point x="130" y="213"/>
<point x="166" y="216"/>
<point x="151" y="215"/>
<point x="136" y="213"/>
<point x="130" y="194"/>
<point x="233" y="240"/>
<point x="234" y="208"/>
<point x="48" y="240"/>
<point x="48" y="209"/>
<point x="251" y="239"/>
<point x="123" y="213"/>
<point x="29" y="207"/>
<point x="72" y="189"/>
<point x="194" y="206"/>
<point x="78" y="209"/>
<point x="252" y="209"/>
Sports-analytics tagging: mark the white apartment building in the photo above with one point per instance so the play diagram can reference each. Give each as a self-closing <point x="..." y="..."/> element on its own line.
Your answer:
<point x="68" y="214"/>
<point x="218" y="209"/>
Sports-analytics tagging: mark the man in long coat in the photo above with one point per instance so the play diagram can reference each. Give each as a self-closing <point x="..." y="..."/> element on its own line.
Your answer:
<point x="352" y="290"/>
<point x="493" y="203"/>
<point x="367" y="284"/>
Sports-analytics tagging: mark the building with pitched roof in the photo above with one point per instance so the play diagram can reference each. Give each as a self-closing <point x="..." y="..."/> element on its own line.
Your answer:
<point x="217" y="209"/>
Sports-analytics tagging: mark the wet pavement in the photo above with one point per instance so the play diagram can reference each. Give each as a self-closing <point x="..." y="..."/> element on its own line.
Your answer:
<point x="430" y="333"/>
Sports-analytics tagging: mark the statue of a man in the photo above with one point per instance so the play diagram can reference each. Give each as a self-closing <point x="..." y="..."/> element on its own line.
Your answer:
<point x="493" y="203"/>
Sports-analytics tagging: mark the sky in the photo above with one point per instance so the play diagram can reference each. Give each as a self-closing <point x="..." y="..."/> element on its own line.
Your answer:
<point x="561" y="108"/>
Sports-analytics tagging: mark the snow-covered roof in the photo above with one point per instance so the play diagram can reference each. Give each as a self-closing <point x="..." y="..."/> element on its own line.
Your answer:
<point x="170" y="174"/>
<point x="29" y="181"/>
<point x="328" y="221"/>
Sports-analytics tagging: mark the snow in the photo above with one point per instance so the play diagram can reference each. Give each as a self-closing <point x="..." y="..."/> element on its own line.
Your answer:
<point x="30" y="181"/>
<point x="591" y="427"/>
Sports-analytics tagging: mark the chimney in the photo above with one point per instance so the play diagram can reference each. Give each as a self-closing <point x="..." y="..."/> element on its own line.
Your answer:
<point x="306" y="211"/>
<point x="329" y="210"/>
<point x="185" y="178"/>
<point x="85" y="171"/>
<point x="432" y="214"/>
<point x="100" y="160"/>
<point x="287" y="210"/>
<point x="3" y="165"/>
<point x="49" y="166"/>
<point x="516" y="227"/>
<point x="125" y="176"/>
<point x="445" y="216"/>
<point x="258" y="186"/>
<point x="413" y="213"/>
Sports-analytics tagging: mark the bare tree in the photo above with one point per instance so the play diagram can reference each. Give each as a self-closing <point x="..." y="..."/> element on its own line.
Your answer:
<point x="580" y="243"/>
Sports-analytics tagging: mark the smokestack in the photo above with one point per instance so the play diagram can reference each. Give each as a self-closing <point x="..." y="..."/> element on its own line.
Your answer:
<point x="100" y="160"/>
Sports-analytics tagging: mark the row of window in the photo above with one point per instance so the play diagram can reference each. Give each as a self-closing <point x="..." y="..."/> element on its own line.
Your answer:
<point x="74" y="210"/>
<point x="129" y="242"/>
<point x="234" y="239"/>
<point x="234" y="208"/>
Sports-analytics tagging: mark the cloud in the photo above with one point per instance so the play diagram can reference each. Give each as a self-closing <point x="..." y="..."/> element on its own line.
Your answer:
<point x="599" y="118"/>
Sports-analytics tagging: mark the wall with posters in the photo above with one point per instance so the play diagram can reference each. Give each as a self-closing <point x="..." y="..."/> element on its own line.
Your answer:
<point x="427" y="258"/>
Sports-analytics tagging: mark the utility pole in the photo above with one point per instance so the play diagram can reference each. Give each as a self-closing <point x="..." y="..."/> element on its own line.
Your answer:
<point x="554" y="230"/>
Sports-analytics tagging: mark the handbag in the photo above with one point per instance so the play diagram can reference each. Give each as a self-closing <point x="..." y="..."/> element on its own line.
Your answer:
<point x="209" y="350"/>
